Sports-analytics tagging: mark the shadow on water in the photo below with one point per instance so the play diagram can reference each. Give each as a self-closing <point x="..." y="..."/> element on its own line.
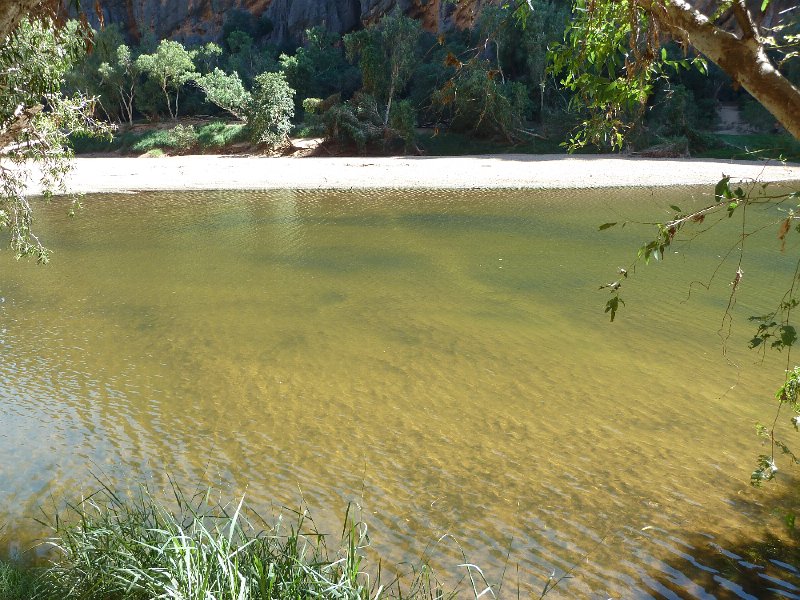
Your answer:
<point x="753" y="567"/>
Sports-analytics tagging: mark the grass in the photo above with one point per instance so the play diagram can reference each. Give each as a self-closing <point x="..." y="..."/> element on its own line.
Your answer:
<point x="111" y="548"/>
<point x="16" y="583"/>
<point x="757" y="146"/>
<point x="456" y="144"/>
<point x="209" y="137"/>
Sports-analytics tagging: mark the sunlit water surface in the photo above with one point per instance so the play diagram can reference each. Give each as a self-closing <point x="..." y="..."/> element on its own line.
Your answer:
<point x="440" y="359"/>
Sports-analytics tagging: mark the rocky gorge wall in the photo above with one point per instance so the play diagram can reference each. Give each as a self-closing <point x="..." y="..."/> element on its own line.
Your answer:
<point x="202" y="20"/>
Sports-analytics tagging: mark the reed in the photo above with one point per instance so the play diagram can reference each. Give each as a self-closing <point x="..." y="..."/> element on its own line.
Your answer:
<point x="193" y="547"/>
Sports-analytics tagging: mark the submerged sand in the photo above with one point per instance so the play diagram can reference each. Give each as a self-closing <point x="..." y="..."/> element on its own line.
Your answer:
<point x="465" y="172"/>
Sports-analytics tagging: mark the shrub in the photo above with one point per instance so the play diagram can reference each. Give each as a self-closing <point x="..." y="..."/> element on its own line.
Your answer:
<point x="182" y="138"/>
<point x="151" y="140"/>
<point x="403" y="122"/>
<point x="358" y="122"/>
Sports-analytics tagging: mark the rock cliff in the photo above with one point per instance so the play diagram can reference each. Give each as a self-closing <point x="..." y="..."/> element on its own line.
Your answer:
<point x="202" y="20"/>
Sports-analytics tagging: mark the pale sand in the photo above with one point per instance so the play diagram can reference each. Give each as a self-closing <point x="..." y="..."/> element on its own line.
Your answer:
<point x="468" y="172"/>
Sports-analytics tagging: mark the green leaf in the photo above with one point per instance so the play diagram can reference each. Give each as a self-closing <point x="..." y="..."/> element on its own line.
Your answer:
<point x="788" y="335"/>
<point x="722" y="190"/>
<point x="764" y="5"/>
<point x="606" y="226"/>
<point x="663" y="54"/>
<point x="612" y="306"/>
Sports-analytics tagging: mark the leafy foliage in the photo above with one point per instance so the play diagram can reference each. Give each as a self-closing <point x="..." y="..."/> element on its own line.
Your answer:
<point x="271" y="109"/>
<point x="248" y="58"/>
<point x="226" y="91"/>
<point x="480" y="104"/>
<point x="36" y="120"/>
<point x="775" y="330"/>
<point x="318" y="68"/>
<point x="170" y="67"/>
<point x="387" y="56"/>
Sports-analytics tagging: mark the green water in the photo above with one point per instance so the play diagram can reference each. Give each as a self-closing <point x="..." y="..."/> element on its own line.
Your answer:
<point x="440" y="359"/>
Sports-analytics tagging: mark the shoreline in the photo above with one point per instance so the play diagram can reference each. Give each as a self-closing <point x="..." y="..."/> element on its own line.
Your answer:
<point x="504" y="171"/>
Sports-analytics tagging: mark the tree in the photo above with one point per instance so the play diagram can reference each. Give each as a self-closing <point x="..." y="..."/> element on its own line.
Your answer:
<point x="91" y="77"/>
<point x="480" y="104"/>
<point x="123" y="76"/>
<point x="611" y="58"/>
<point x="270" y="112"/>
<point x="13" y="11"/>
<point x="247" y="58"/>
<point x="612" y="54"/>
<point x="227" y="92"/>
<point x="170" y="66"/>
<point x="36" y="119"/>
<point x="387" y="56"/>
<point x="318" y="68"/>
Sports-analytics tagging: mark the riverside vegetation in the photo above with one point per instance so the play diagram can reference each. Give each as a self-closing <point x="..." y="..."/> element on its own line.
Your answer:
<point x="393" y="87"/>
<point x="139" y="547"/>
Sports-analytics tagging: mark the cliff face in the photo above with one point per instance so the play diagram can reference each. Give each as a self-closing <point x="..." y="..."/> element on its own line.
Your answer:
<point x="201" y="20"/>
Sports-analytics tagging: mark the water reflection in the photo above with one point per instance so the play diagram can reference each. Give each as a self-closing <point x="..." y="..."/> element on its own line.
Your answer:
<point x="441" y="360"/>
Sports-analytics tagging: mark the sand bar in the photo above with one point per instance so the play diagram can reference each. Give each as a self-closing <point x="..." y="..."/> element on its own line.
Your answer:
<point x="485" y="172"/>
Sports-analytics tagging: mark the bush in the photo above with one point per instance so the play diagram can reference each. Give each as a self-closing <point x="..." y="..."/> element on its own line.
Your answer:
<point x="182" y="138"/>
<point x="358" y="122"/>
<point x="271" y="110"/>
<point x="151" y="140"/>
<point x="757" y="116"/>
<point x="403" y="123"/>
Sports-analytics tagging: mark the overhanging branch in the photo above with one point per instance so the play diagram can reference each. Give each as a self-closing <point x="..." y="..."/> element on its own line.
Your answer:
<point x="21" y="123"/>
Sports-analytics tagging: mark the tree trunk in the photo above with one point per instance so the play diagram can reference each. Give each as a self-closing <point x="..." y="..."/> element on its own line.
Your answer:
<point x="169" y="102"/>
<point x="743" y="58"/>
<point x="12" y="12"/>
<point x="388" y="106"/>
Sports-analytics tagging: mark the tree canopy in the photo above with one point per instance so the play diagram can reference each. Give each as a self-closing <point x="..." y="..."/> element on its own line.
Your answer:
<point x="36" y="119"/>
<point x="613" y="53"/>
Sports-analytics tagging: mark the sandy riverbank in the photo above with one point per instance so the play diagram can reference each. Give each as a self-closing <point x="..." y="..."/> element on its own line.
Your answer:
<point x="496" y="171"/>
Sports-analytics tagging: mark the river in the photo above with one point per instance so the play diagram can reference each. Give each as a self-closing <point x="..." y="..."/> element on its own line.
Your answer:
<point x="440" y="359"/>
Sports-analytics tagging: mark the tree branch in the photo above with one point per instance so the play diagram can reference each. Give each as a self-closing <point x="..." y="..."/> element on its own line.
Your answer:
<point x="745" y="59"/>
<point x="21" y="123"/>
<point x="745" y="20"/>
